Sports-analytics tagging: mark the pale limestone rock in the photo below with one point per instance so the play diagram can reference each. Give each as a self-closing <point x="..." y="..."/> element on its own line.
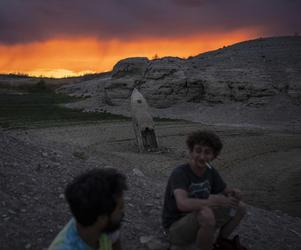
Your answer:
<point x="85" y="88"/>
<point x="250" y="73"/>
<point x="245" y="72"/>
<point x="163" y="81"/>
<point x="126" y="75"/>
<point x="130" y="67"/>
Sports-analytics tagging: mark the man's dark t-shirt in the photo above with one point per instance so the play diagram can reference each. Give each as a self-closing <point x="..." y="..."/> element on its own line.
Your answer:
<point x="184" y="178"/>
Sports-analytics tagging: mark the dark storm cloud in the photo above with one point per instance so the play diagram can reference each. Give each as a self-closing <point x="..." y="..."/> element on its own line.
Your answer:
<point x="24" y="21"/>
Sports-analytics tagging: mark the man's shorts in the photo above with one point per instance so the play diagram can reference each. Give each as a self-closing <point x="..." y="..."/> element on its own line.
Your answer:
<point x="184" y="230"/>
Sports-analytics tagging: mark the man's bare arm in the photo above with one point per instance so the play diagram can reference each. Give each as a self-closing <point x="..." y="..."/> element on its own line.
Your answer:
<point x="186" y="204"/>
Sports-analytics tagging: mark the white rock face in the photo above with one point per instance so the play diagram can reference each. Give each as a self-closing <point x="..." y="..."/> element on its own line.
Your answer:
<point x="126" y="75"/>
<point x="85" y="88"/>
<point x="251" y="72"/>
<point x="163" y="81"/>
<point x="131" y="67"/>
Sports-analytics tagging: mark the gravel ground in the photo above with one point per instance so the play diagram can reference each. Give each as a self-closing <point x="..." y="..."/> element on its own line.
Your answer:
<point x="36" y="165"/>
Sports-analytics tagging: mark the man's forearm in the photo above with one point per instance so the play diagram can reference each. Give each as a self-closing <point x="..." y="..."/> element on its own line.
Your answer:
<point x="193" y="204"/>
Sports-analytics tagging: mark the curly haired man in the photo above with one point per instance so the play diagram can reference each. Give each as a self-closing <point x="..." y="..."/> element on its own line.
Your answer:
<point x="197" y="200"/>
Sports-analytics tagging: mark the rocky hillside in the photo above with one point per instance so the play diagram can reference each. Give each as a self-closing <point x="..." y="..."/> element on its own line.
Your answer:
<point x="251" y="72"/>
<point x="255" y="82"/>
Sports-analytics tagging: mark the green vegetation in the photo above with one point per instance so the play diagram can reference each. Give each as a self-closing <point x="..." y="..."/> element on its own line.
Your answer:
<point x="39" y="106"/>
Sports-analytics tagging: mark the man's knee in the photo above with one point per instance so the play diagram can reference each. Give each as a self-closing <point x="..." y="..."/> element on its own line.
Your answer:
<point x="206" y="217"/>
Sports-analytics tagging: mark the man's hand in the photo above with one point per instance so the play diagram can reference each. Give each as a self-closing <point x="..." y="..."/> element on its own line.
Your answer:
<point x="233" y="192"/>
<point x="223" y="201"/>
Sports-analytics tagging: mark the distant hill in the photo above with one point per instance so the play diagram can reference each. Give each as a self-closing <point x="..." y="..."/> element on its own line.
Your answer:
<point x="23" y="80"/>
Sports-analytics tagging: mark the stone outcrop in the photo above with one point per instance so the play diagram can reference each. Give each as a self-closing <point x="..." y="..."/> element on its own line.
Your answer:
<point x="127" y="74"/>
<point x="251" y="72"/>
<point x="82" y="89"/>
<point x="164" y="81"/>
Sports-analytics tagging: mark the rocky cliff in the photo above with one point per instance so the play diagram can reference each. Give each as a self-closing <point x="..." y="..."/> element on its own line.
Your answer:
<point x="252" y="72"/>
<point x="255" y="82"/>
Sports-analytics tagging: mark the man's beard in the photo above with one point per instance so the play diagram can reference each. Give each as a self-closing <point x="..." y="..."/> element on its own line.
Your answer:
<point x="113" y="225"/>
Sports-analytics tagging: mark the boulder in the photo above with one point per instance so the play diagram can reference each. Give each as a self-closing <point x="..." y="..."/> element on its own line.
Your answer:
<point x="164" y="82"/>
<point x="130" y="68"/>
<point x="126" y="75"/>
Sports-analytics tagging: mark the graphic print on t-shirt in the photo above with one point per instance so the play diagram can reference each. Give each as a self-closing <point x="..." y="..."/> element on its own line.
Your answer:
<point x="200" y="190"/>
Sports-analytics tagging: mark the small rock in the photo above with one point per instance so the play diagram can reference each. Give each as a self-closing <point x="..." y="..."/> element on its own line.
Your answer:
<point x="11" y="211"/>
<point x="44" y="154"/>
<point x="130" y="205"/>
<point x="145" y="239"/>
<point x="39" y="166"/>
<point x="155" y="244"/>
<point x="158" y="196"/>
<point x="138" y="172"/>
<point x="61" y="196"/>
<point x="56" y="164"/>
<point x="28" y="246"/>
<point x="81" y="155"/>
<point x="54" y="159"/>
<point x="155" y="211"/>
<point x="108" y="166"/>
<point x="15" y="164"/>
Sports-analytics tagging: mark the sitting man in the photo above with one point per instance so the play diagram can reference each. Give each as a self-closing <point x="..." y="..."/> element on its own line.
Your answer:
<point x="197" y="200"/>
<point x="96" y="201"/>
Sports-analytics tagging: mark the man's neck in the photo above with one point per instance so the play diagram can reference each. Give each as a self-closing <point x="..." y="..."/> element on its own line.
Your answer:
<point x="90" y="235"/>
<point x="197" y="171"/>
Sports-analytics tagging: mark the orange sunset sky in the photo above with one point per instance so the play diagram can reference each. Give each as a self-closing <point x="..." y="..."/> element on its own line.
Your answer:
<point x="69" y="57"/>
<point x="55" y="39"/>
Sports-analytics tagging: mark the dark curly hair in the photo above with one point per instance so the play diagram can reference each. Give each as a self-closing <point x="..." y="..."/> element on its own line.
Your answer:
<point x="94" y="193"/>
<point x="206" y="138"/>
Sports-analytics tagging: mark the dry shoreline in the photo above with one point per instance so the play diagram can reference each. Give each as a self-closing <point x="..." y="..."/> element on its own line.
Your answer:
<point x="37" y="163"/>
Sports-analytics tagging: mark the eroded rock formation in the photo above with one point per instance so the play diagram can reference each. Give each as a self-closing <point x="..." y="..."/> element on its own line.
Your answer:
<point x="252" y="72"/>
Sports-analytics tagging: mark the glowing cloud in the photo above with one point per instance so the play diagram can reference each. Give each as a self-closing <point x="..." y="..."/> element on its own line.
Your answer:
<point x="58" y="38"/>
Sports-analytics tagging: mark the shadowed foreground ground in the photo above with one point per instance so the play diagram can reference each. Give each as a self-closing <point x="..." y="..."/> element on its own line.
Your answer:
<point x="37" y="164"/>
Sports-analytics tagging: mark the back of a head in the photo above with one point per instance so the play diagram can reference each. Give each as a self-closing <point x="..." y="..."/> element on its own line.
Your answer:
<point x="94" y="193"/>
<point x="206" y="138"/>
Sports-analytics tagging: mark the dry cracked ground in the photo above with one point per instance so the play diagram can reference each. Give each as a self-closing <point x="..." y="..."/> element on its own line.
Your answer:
<point x="36" y="164"/>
